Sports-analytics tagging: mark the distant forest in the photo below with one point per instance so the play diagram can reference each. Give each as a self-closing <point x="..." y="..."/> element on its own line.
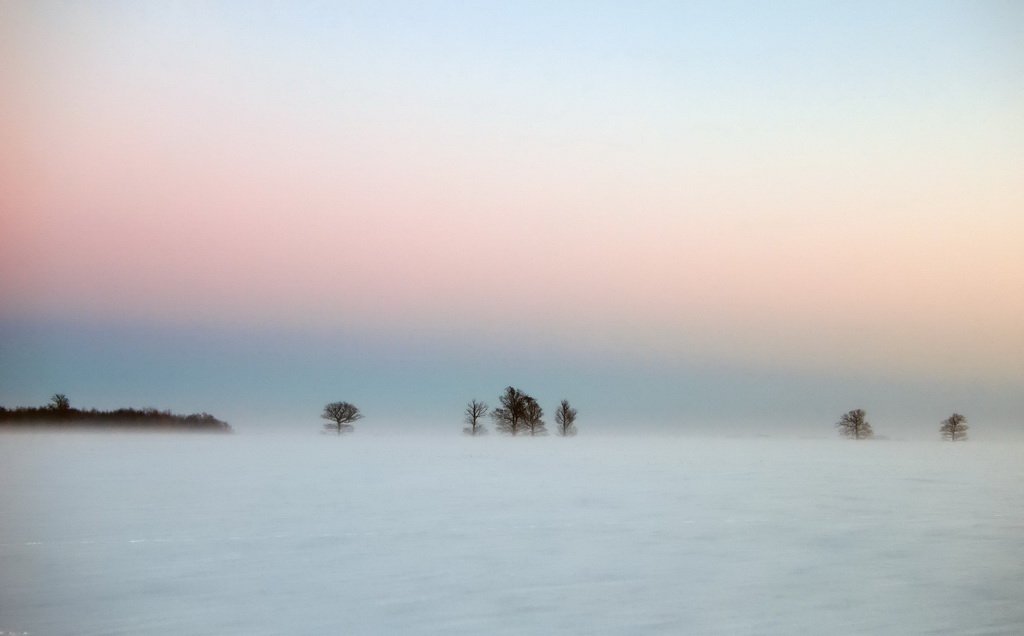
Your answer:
<point x="59" y="414"/>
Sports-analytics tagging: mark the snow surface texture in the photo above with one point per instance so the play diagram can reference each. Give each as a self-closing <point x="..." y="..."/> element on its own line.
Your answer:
<point x="166" y="534"/>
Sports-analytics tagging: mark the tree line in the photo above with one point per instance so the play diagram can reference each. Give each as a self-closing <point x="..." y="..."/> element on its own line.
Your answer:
<point x="60" y="413"/>
<point x="854" y="424"/>
<point x="518" y="413"/>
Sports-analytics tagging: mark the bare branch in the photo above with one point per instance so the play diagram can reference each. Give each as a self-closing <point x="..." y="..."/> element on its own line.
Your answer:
<point x="532" y="414"/>
<point x="60" y="402"/>
<point x="954" y="428"/>
<point x="853" y="424"/>
<point x="510" y="416"/>
<point x="565" y="417"/>
<point x="475" y="411"/>
<point x="342" y="414"/>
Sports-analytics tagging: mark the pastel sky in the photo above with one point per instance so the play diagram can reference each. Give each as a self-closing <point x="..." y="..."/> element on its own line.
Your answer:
<point x="717" y="210"/>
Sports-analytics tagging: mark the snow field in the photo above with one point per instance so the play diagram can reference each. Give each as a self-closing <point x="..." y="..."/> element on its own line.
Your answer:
<point x="265" y="534"/>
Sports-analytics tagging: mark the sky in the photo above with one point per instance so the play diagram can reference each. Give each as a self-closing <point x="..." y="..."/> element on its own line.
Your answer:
<point x="676" y="215"/>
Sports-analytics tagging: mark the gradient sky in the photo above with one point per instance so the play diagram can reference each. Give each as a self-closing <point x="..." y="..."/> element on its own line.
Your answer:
<point x="672" y="212"/>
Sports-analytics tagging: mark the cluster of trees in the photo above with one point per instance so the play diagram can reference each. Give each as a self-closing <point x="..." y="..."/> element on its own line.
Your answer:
<point x="60" y="413"/>
<point x="519" y="413"/>
<point x="855" y="424"/>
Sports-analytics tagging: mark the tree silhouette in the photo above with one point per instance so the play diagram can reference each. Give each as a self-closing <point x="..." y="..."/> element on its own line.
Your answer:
<point x="509" y="417"/>
<point x="532" y="414"/>
<point x="565" y="417"/>
<point x="853" y="424"/>
<point x="342" y="414"/>
<point x="954" y="427"/>
<point x="475" y="411"/>
<point x="60" y="402"/>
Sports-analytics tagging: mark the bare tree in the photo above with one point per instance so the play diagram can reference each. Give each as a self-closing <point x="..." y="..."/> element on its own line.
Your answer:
<point x="60" y="402"/>
<point x="854" y="425"/>
<point x="565" y="417"/>
<point x="532" y="417"/>
<point x="475" y="411"/>
<point x="508" y="418"/>
<point x="341" y="416"/>
<point x="954" y="427"/>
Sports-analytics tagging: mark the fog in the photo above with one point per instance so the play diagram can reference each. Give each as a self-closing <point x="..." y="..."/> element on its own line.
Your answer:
<point x="280" y="380"/>
<point x="375" y="533"/>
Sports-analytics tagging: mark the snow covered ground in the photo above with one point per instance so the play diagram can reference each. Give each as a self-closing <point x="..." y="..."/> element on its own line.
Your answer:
<point x="264" y="534"/>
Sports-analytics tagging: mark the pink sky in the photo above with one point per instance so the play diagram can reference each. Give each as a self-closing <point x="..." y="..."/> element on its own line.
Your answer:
<point x="184" y="169"/>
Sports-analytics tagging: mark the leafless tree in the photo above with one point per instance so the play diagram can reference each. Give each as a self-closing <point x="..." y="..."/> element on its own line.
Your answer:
<point x="954" y="428"/>
<point x="854" y="425"/>
<point x="341" y="416"/>
<point x="533" y="415"/>
<point x="475" y="411"/>
<point x="60" y="402"/>
<point x="565" y="417"/>
<point x="509" y="417"/>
